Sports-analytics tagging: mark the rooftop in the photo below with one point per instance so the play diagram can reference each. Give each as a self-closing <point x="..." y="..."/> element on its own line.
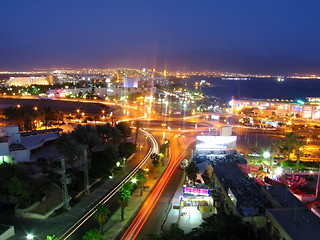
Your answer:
<point x="298" y="223"/>
<point x="284" y="197"/>
<point x="250" y="201"/>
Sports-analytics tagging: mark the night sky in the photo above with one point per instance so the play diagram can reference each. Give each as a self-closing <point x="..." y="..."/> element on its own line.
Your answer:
<point x="78" y="33"/>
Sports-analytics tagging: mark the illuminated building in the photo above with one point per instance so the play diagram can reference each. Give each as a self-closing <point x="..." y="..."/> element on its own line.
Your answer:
<point x="276" y="107"/>
<point x="27" y="81"/>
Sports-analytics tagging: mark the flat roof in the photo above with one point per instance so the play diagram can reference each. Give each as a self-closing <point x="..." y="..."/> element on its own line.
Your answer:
<point x="250" y="201"/>
<point x="284" y="197"/>
<point x="299" y="223"/>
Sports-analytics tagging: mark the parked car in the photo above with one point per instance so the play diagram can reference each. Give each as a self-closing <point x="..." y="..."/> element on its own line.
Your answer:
<point x="254" y="154"/>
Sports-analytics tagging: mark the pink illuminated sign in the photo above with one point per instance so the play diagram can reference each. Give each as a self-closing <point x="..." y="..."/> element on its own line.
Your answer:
<point x="196" y="191"/>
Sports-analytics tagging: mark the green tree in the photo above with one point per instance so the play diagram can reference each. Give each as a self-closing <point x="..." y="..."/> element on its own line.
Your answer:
<point x="141" y="177"/>
<point x="172" y="233"/>
<point x="20" y="188"/>
<point x="115" y="135"/>
<point x="289" y="144"/>
<point x="221" y="226"/>
<point x="155" y="162"/>
<point x="126" y="149"/>
<point x="92" y="234"/>
<point x="86" y="135"/>
<point x="299" y="152"/>
<point x="192" y="171"/>
<point x="53" y="237"/>
<point x="102" y="161"/>
<point x="124" y="129"/>
<point x="69" y="148"/>
<point x="101" y="215"/>
<point x="275" y="150"/>
<point x="124" y="195"/>
<point x="104" y="131"/>
<point x="14" y="182"/>
<point x="138" y="126"/>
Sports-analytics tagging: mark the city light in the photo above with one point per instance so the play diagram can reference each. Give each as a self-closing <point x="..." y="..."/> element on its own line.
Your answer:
<point x="278" y="171"/>
<point x="266" y="155"/>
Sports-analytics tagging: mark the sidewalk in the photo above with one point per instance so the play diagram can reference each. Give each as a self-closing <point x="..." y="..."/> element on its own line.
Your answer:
<point x="189" y="217"/>
<point x="114" y="226"/>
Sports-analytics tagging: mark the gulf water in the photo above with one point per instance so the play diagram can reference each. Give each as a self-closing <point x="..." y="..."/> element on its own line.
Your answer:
<point x="259" y="88"/>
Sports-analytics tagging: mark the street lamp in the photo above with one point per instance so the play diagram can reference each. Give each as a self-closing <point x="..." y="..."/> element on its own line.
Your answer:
<point x="124" y="165"/>
<point x="31" y="236"/>
<point x="266" y="155"/>
<point x="134" y="180"/>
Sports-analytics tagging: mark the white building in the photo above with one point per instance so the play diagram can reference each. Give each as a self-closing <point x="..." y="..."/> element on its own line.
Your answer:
<point x="14" y="148"/>
<point x="11" y="149"/>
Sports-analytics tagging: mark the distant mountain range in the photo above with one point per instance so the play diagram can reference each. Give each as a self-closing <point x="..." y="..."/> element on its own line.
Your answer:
<point x="224" y="61"/>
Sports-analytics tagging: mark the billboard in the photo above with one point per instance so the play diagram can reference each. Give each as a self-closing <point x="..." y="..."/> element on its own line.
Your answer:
<point x="196" y="191"/>
<point x="205" y="143"/>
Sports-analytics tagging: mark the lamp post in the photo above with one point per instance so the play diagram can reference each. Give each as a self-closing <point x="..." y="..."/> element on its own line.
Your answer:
<point x="124" y="165"/>
<point x="266" y="155"/>
<point x="31" y="236"/>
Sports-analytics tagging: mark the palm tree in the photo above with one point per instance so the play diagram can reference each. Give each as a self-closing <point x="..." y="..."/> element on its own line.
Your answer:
<point x="124" y="195"/>
<point x="69" y="148"/>
<point x="86" y="135"/>
<point x="155" y="162"/>
<point x="101" y="215"/>
<point x="92" y="234"/>
<point x="192" y="171"/>
<point x="275" y="150"/>
<point x="138" y="125"/>
<point x="124" y="129"/>
<point x="104" y="131"/>
<point x="53" y="237"/>
<point x="299" y="152"/>
<point x="289" y="143"/>
<point x="141" y="176"/>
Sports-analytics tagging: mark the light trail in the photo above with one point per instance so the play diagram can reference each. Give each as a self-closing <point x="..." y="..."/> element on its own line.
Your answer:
<point x="149" y="204"/>
<point x="105" y="199"/>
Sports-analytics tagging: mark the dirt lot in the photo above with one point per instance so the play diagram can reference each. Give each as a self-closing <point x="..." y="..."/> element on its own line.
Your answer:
<point x="64" y="106"/>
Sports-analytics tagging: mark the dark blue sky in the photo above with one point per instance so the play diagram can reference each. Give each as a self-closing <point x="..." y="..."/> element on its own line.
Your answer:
<point x="77" y="32"/>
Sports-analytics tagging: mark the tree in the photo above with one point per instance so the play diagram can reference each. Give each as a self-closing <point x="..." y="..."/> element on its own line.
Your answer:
<point x="173" y="233"/>
<point x="141" y="176"/>
<point x="14" y="182"/>
<point x="222" y="226"/>
<point x="299" y="152"/>
<point x="102" y="161"/>
<point x="101" y="215"/>
<point x="104" y="131"/>
<point x="86" y="135"/>
<point x="124" y="195"/>
<point x="275" y="150"/>
<point x="124" y="129"/>
<point x="126" y="149"/>
<point x="53" y="237"/>
<point x="115" y="135"/>
<point x="163" y="150"/>
<point x="192" y="171"/>
<point x="138" y="126"/>
<point x="155" y="162"/>
<point x="289" y="143"/>
<point x="92" y="234"/>
<point x="69" y="148"/>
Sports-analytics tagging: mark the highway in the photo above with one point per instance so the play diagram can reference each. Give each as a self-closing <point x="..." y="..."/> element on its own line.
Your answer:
<point x="109" y="195"/>
<point x="152" y="200"/>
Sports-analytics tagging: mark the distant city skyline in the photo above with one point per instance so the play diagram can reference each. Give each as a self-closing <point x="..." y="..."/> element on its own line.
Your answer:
<point x="257" y="37"/>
